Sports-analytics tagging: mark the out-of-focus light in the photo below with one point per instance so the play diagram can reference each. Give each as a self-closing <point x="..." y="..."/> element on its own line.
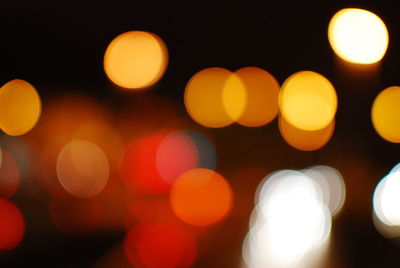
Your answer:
<point x="74" y="217"/>
<point x="176" y="154"/>
<point x="12" y="225"/>
<point x="139" y="170"/>
<point x="234" y="96"/>
<point x="9" y="175"/>
<point x="331" y="184"/>
<point x="181" y="151"/>
<point x="290" y="224"/>
<point x="205" y="149"/>
<point x="215" y="97"/>
<point x="262" y="97"/>
<point x="20" y="107"/>
<point x="305" y="140"/>
<point x="159" y="245"/>
<point x="308" y="100"/>
<point x="387" y="198"/>
<point x="82" y="168"/>
<point x="386" y="114"/>
<point x="105" y="137"/>
<point x="201" y="197"/>
<point x="358" y="36"/>
<point x="135" y="59"/>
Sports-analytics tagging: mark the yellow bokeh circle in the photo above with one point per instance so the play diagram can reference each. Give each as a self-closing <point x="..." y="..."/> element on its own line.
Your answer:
<point x="305" y="140"/>
<point x="386" y="114"/>
<point x="20" y="107"/>
<point x="215" y="97"/>
<point x="135" y="59"/>
<point x="308" y="100"/>
<point x="358" y="36"/>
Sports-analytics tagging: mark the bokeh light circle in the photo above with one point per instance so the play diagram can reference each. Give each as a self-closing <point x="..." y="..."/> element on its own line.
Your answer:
<point x="386" y="114"/>
<point x="386" y="199"/>
<point x="358" y="36"/>
<point x="215" y="97"/>
<point x="135" y="59"/>
<point x="201" y="197"/>
<point x="82" y="169"/>
<point x="262" y="97"/>
<point x="12" y="225"/>
<point x="20" y="107"/>
<point x="308" y="100"/>
<point x="160" y="245"/>
<point x="305" y="140"/>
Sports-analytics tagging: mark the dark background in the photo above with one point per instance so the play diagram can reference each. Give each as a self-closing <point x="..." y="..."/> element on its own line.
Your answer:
<point x="59" y="48"/>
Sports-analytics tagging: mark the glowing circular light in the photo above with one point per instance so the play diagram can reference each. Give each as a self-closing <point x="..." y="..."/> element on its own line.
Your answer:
<point x="176" y="154"/>
<point x="139" y="169"/>
<point x="331" y="184"/>
<point x="159" y="245"/>
<point x="82" y="168"/>
<point x="386" y="114"/>
<point x="358" y="36"/>
<point x="201" y="197"/>
<point x="105" y="137"/>
<point x="135" y="59"/>
<point x="20" y="107"/>
<point x="386" y="199"/>
<point x="308" y="101"/>
<point x="181" y="151"/>
<point x="305" y="140"/>
<point x="215" y="97"/>
<point x="290" y="223"/>
<point x="12" y="225"/>
<point x="262" y="97"/>
<point x="9" y="175"/>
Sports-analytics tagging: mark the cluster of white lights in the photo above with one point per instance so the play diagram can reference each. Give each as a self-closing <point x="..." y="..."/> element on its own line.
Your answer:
<point x="290" y="225"/>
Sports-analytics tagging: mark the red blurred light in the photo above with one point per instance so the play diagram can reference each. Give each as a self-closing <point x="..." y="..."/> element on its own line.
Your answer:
<point x="159" y="245"/>
<point x="12" y="225"/>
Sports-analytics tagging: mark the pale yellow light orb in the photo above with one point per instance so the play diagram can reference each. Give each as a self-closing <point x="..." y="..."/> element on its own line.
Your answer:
<point x="20" y="107"/>
<point x="358" y="36"/>
<point x="135" y="59"/>
<point x="308" y="101"/>
<point x="386" y="114"/>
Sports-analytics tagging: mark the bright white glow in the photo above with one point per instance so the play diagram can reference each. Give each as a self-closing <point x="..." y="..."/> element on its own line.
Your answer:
<point x="387" y="199"/>
<point x="289" y="224"/>
<point x="358" y="36"/>
<point x="331" y="184"/>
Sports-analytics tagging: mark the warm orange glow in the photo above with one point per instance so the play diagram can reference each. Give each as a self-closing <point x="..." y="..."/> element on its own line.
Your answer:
<point x="201" y="197"/>
<point x="12" y="225"/>
<point x="135" y="59"/>
<point x="262" y="97"/>
<point x="215" y="97"/>
<point x="20" y="107"/>
<point x="358" y="36"/>
<point x="386" y="114"/>
<point x="82" y="168"/>
<point x="9" y="175"/>
<point x="106" y="137"/>
<point x="303" y="139"/>
<point x="308" y="100"/>
<point x="159" y="245"/>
